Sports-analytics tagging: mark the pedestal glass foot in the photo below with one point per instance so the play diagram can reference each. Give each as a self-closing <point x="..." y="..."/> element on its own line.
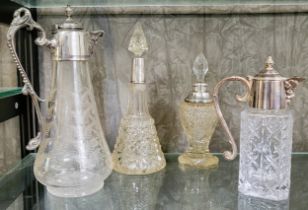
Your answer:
<point x="203" y="161"/>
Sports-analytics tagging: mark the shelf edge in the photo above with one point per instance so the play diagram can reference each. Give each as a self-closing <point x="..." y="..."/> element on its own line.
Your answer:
<point x="181" y="10"/>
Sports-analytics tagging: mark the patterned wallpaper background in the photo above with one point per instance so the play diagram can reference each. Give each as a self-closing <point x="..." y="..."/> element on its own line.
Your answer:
<point x="233" y="45"/>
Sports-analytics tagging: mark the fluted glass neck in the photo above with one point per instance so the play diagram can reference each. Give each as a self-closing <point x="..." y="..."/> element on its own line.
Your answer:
<point x="137" y="103"/>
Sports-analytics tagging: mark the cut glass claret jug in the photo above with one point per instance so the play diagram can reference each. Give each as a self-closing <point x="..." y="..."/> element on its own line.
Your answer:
<point x="266" y="133"/>
<point x="73" y="158"/>
<point x="199" y="120"/>
<point x="137" y="150"/>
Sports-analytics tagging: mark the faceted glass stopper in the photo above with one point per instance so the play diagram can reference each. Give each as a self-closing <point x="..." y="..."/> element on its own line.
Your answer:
<point x="200" y="68"/>
<point x="138" y="43"/>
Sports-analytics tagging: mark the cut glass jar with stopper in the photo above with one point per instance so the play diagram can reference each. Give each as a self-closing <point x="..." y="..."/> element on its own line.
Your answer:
<point x="266" y="133"/>
<point x="137" y="150"/>
<point x="199" y="120"/>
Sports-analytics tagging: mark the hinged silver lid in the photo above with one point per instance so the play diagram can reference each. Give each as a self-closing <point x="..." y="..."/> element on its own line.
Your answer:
<point x="199" y="93"/>
<point x="269" y="73"/>
<point x="72" y="42"/>
<point x="269" y="90"/>
<point x="69" y="23"/>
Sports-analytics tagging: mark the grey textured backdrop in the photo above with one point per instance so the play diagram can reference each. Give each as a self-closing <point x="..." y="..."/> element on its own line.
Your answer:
<point x="233" y="45"/>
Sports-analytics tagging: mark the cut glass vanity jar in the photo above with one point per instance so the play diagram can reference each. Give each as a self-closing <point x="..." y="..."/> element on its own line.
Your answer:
<point x="199" y="120"/>
<point x="266" y="133"/>
<point x="73" y="158"/>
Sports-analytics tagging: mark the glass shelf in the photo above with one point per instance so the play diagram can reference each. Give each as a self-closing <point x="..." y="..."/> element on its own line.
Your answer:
<point x="9" y="91"/>
<point x="175" y="187"/>
<point x="145" y="3"/>
<point x="16" y="181"/>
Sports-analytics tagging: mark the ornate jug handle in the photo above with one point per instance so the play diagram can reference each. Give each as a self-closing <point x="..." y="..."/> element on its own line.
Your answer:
<point x="23" y="18"/>
<point x="230" y="155"/>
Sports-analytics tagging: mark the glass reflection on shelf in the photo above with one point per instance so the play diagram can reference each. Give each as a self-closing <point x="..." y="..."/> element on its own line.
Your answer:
<point x="136" y="192"/>
<point x="98" y="201"/>
<point x="121" y="192"/>
<point x="189" y="188"/>
<point x="252" y="203"/>
<point x="196" y="188"/>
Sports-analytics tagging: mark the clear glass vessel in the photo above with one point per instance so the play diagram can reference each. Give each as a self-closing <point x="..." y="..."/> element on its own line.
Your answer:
<point x="73" y="159"/>
<point x="137" y="150"/>
<point x="265" y="151"/>
<point x="199" y="120"/>
<point x="266" y="133"/>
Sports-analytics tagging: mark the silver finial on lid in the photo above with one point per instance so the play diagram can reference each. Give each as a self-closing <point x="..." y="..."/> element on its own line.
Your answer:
<point x="269" y="63"/>
<point x="69" y="23"/>
<point x="269" y="72"/>
<point x="68" y="12"/>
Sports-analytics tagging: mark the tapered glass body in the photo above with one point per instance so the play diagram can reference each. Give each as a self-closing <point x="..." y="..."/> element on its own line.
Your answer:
<point x="265" y="153"/>
<point x="137" y="150"/>
<point x="73" y="158"/>
<point x="199" y="121"/>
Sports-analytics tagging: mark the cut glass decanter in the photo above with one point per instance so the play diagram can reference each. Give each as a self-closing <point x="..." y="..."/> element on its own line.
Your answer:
<point x="137" y="150"/>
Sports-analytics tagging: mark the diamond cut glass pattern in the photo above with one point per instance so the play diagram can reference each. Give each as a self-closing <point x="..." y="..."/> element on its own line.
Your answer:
<point x="265" y="151"/>
<point x="137" y="150"/>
